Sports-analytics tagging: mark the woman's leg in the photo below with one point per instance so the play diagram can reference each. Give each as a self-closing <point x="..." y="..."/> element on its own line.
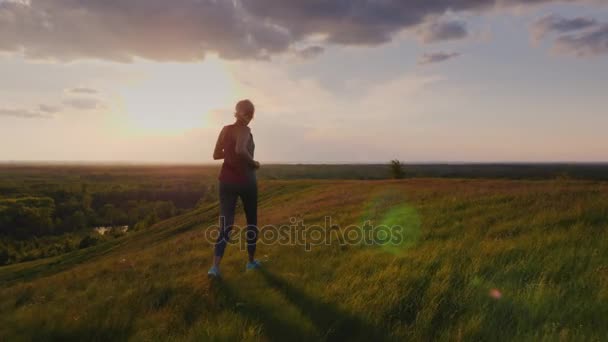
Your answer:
<point x="228" y="197"/>
<point x="249" y="195"/>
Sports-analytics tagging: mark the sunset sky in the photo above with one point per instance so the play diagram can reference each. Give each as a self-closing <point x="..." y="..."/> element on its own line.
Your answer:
<point x="333" y="81"/>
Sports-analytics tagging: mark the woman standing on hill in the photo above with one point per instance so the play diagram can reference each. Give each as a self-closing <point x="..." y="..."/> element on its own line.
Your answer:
<point x="237" y="179"/>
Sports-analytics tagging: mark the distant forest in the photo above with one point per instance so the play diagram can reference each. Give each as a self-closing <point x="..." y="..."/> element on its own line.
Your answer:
<point x="46" y="211"/>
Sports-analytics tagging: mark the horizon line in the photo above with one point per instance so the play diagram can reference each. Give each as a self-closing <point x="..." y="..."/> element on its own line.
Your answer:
<point x="336" y="163"/>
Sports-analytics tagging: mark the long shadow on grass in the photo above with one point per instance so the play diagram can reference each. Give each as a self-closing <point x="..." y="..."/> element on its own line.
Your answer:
<point x="275" y="328"/>
<point x="333" y="323"/>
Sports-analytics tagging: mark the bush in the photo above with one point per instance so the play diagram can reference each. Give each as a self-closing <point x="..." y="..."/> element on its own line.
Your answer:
<point x="4" y="256"/>
<point x="88" y="241"/>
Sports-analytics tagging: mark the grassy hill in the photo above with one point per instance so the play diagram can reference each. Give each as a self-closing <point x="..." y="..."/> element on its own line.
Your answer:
<point x="541" y="246"/>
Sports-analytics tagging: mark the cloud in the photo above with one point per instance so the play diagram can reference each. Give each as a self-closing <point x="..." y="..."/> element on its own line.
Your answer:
<point x="178" y="30"/>
<point x="557" y="24"/>
<point x="24" y="113"/>
<point x="443" y="30"/>
<point x="188" y="30"/>
<point x="310" y="51"/>
<point x="580" y="36"/>
<point x="83" y="103"/>
<point x="589" y="43"/>
<point x="76" y="98"/>
<point x="82" y="98"/>
<point x="48" y="109"/>
<point x="365" y="22"/>
<point x="437" y="57"/>
<point x="82" y="90"/>
<point x="306" y="114"/>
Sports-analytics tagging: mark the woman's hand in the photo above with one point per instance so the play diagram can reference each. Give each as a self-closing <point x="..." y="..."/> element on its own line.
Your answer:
<point x="256" y="164"/>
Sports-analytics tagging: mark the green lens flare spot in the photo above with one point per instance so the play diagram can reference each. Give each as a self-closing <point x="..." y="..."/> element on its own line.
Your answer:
<point x="395" y="224"/>
<point x="403" y="223"/>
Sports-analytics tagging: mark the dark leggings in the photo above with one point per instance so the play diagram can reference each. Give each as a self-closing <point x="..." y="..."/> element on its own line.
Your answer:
<point x="229" y="193"/>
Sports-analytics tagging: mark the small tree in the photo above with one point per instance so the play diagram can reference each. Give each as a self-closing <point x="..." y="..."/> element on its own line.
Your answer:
<point x="397" y="169"/>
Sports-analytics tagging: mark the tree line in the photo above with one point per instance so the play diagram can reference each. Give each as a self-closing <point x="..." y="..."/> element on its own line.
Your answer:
<point x="63" y="211"/>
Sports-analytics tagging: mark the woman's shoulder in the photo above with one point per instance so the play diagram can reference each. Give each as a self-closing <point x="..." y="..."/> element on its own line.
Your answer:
<point x="240" y="128"/>
<point x="231" y="128"/>
<point x="235" y="130"/>
<point x="237" y="126"/>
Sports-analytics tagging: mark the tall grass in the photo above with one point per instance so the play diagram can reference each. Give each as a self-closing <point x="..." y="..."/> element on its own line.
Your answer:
<point x="543" y="246"/>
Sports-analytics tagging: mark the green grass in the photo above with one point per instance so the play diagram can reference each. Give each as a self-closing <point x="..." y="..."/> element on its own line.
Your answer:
<point x="543" y="244"/>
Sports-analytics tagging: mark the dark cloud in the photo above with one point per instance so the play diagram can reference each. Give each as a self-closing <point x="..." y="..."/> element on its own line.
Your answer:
<point x="310" y="52"/>
<point x="24" y="113"/>
<point x="180" y="30"/>
<point x="437" y="57"/>
<point x="82" y="90"/>
<point x="443" y="30"/>
<point x="187" y="30"/>
<point x="557" y="24"/>
<point x="589" y="43"/>
<point x="364" y="22"/>
<point x="580" y="36"/>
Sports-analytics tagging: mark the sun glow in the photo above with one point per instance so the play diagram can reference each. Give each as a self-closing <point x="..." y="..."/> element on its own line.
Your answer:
<point x="172" y="98"/>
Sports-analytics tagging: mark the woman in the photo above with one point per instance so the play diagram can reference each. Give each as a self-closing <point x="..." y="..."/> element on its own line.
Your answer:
<point x="237" y="179"/>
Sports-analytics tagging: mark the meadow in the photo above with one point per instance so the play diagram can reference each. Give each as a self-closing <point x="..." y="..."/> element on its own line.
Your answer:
<point x="482" y="259"/>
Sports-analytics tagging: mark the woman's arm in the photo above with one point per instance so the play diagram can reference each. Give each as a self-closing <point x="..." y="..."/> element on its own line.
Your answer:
<point x="243" y="134"/>
<point x="218" y="152"/>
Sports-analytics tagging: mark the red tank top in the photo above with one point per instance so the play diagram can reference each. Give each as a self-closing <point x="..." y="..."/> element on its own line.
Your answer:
<point x="235" y="169"/>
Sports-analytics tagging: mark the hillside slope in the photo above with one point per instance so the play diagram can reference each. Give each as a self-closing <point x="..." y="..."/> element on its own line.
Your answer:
<point x="480" y="259"/>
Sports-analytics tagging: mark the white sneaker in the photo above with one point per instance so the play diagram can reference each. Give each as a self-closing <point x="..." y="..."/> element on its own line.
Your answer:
<point x="214" y="271"/>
